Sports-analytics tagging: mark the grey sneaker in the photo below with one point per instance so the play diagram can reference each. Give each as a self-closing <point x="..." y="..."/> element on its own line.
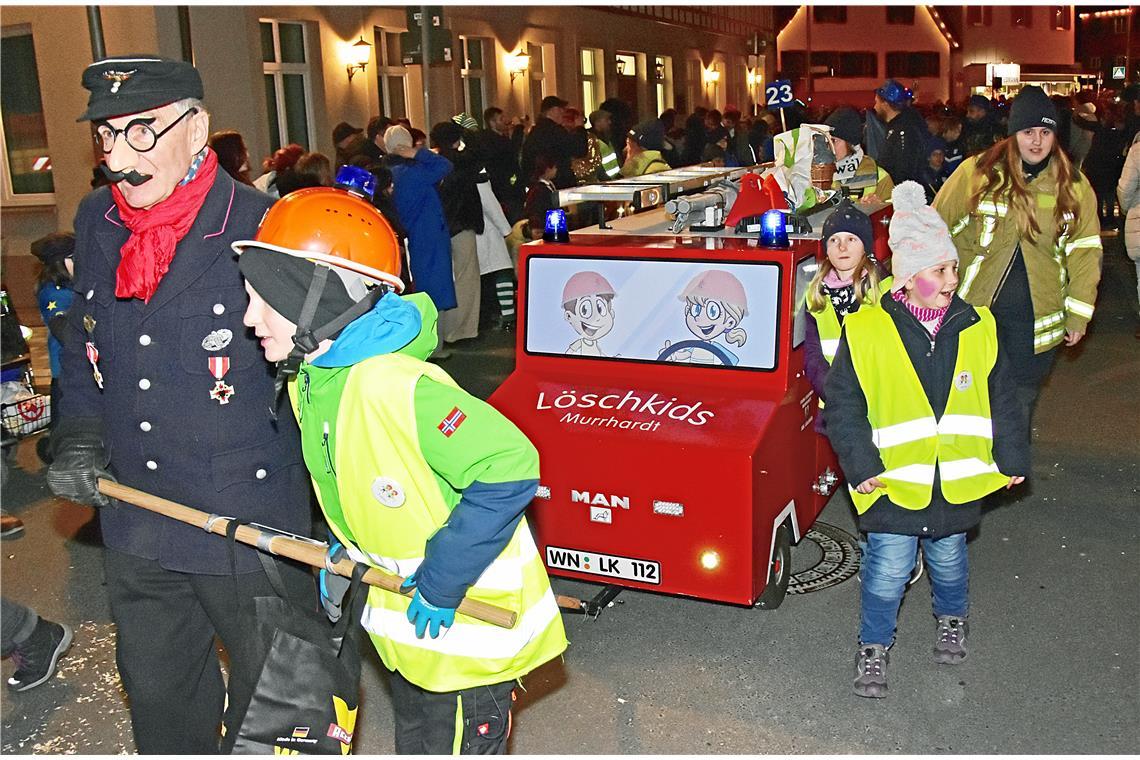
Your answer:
<point x="950" y="643"/>
<point x="871" y="671"/>
<point x="37" y="656"/>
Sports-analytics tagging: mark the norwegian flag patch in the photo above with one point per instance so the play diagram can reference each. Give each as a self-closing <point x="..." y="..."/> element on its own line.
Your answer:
<point x="452" y="422"/>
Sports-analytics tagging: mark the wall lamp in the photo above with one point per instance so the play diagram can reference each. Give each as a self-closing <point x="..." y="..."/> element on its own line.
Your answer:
<point x="517" y="64"/>
<point x="620" y="67"/>
<point x="358" y="54"/>
<point x="659" y="69"/>
<point x="752" y="78"/>
<point x="712" y="76"/>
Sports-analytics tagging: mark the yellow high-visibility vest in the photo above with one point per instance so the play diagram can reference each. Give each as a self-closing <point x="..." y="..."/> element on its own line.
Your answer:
<point x="378" y="448"/>
<point x="911" y="442"/>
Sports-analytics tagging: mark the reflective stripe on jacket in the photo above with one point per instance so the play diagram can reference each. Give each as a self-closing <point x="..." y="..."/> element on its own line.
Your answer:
<point x="911" y="442"/>
<point x="1063" y="264"/>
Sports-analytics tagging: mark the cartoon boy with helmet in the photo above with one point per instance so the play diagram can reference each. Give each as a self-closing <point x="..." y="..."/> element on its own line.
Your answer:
<point x="715" y="303"/>
<point x="587" y="299"/>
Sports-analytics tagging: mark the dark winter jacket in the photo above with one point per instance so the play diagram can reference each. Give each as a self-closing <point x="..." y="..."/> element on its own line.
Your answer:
<point x="904" y="149"/>
<point x="501" y="154"/>
<point x="553" y="140"/>
<point x="849" y="428"/>
<point x="459" y="193"/>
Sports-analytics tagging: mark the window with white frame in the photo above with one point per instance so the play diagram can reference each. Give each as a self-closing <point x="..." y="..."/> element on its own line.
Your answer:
<point x="26" y="161"/>
<point x="593" y="87"/>
<point x="288" y="87"/>
<point x="663" y="82"/>
<point x="695" y="83"/>
<point x="473" y="75"/>
<point x="391" y="74"/>
<point x="538" y="63"/>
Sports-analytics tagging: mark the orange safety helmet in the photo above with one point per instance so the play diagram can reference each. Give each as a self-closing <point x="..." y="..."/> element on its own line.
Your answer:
<point x="333" y="227"/>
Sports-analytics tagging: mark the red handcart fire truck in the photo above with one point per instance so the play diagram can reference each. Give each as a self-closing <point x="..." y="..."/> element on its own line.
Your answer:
<point x="660" y="375"/>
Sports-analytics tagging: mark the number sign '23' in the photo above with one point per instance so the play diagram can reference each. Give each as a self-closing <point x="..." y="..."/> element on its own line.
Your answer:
<point x="779" y="93"/>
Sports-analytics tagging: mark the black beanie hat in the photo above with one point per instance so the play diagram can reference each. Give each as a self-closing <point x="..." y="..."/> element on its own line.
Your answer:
<point x="1032" y="108"/>
<point x="846" y="124"/>
<point x="848" y="218"/>
<point x="283" y="281"/>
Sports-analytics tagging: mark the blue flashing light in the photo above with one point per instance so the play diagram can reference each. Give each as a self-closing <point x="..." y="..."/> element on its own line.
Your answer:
<point x="556" y="230"/>
<point x="356" y="180"/>
<point x="774" y="229"/>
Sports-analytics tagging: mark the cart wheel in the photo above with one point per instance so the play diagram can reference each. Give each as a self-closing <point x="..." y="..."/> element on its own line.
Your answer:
<point x="780" y="574"/>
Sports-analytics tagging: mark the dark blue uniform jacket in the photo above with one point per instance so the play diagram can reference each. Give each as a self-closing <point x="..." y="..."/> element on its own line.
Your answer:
<point x="163" y="431"/>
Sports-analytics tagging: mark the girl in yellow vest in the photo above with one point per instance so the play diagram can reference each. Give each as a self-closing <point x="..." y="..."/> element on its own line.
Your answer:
<point x="925" y="422"/>
<point x="847" y="279"/>
<point x="413" y="474"/>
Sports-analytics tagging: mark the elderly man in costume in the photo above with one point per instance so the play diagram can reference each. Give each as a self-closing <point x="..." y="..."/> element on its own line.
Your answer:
<point x="165" y="390"/>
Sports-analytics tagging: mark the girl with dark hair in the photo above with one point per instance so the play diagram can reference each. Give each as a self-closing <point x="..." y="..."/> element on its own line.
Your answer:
<point x="233" y="156"/>
<point x="1025" y="226"/>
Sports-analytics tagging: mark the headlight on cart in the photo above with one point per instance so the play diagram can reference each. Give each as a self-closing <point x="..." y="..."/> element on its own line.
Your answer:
<point x="671" y="508"/>
<point x="710" y="560"/>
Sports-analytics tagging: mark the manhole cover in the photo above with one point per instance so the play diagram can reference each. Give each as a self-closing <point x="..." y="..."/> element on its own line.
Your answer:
<point x="838" y="559"/>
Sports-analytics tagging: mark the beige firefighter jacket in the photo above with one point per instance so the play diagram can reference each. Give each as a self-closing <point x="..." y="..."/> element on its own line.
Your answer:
<point x="1063" y="263"/>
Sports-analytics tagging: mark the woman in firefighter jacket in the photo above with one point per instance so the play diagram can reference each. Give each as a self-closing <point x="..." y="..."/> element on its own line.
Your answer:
<point x="1024" y="222"/>
<point x="413" y="474"/>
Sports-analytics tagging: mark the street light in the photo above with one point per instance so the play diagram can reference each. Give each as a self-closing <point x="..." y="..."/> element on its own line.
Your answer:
<point x="358" y="54"/>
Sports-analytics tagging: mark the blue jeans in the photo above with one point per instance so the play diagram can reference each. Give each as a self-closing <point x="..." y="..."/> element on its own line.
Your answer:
<point x="887" y="563"/>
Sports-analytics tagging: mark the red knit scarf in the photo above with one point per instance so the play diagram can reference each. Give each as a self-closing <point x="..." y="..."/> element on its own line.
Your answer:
<point x="155" y="232"/>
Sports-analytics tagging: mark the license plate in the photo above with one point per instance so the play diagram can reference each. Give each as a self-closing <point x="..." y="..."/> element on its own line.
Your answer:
<point x="593" y="563"/>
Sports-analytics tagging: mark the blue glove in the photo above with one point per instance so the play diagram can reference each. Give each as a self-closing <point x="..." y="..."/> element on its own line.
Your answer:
<point x="333" y="587"/>
<point x="423" y="613"/>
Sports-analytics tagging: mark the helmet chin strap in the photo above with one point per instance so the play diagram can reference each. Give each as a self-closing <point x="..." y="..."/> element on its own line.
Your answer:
<point x="307" y="340"/>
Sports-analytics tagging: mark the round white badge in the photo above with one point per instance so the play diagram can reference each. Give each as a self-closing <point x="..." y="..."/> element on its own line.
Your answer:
<point x="964" y="380"/>
<point x="388" y="492"/>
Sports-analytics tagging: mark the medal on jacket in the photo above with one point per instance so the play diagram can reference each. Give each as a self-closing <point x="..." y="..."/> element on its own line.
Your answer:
<point x="222" y="391"/>
<point x="92" y="352"/>
<point x="93" y="357"/>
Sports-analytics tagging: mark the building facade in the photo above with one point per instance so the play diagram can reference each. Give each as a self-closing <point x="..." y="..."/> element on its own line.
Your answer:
<point x="840" y="54"/>
<point x="1020" y="44"/>
<point x="281" y="74"/>
<point x="1108" y="45"/>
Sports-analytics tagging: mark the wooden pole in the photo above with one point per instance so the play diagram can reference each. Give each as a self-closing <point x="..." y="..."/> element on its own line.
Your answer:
<point x="307" y="551"/>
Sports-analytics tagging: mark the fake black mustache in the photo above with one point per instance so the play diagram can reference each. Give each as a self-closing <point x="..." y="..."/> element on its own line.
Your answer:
<point x="133" y="177"/>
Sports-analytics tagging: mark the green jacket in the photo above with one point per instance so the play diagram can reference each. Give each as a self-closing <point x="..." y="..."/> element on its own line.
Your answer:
<point x="1063" y="263"/>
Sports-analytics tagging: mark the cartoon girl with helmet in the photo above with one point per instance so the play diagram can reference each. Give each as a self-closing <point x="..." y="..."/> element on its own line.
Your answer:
<point x="587" y="300"/>
<point x="715" y="303"/>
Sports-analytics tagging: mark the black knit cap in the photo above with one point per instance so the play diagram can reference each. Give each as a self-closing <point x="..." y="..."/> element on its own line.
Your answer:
<point x="848" y="218"/>
<point x="1032" y="108"/>
<point x="283" y="281"/>
<point x="846" y="124"/>
<point x="133" y="83"/>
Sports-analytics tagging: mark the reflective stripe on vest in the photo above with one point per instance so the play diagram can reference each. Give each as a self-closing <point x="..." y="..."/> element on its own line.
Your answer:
<point x="960" y="225"/>
<point x="904" y="430"/>
<point x="377" y="439"/>
<point x="610" y="166"/>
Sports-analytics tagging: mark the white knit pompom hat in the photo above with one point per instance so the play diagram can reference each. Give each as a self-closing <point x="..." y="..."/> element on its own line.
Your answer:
<point x="919" y="239"/>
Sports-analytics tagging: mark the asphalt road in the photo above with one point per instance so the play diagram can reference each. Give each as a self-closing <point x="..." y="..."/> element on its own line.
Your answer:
<point x="1055" y="621"/>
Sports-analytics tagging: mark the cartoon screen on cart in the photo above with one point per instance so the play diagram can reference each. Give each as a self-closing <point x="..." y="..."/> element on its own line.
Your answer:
<point x="693" y="312"/>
